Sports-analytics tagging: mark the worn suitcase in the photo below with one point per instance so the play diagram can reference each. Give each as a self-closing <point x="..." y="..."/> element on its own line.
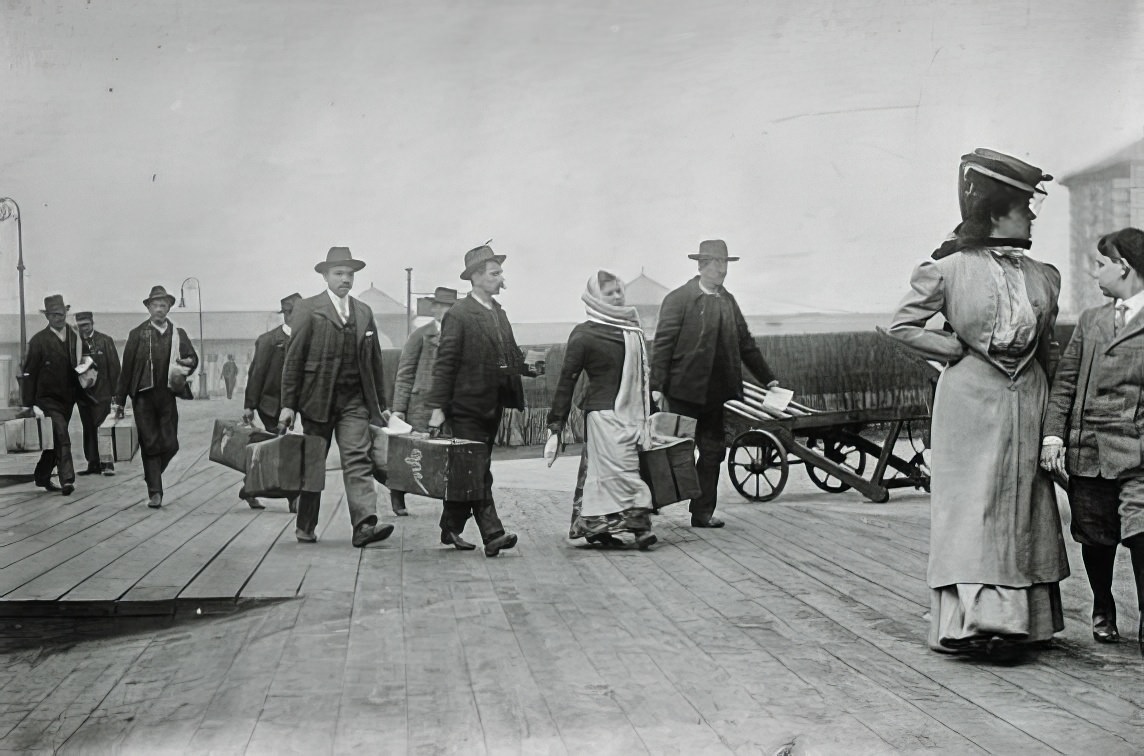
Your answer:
<point x="450" y="469"/>
<point x="117" y="440"/>
<point x="669" y="471"/>
<point x="28" y="434"/>
<point x="285" y="465"/>
<point x="229" y="442"/>
<point x="672" y="424"/>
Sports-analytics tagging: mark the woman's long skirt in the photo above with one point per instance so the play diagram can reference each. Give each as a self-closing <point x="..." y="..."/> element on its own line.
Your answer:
<point x="610" y="495"/>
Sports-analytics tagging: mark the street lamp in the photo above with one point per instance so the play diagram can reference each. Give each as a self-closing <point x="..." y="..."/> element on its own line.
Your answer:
<point x="409" y="294"/>
<point x="205" y="393"/>
<point x="5" y="214"/>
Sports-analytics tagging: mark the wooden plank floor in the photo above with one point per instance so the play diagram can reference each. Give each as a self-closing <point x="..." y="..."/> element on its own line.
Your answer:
<point x="797" y="629"/>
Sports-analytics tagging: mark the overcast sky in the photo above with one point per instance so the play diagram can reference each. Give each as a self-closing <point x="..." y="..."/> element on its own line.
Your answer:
<point x="236" y="141"/>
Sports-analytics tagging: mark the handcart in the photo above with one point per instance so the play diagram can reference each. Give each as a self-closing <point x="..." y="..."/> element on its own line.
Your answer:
<point x="765" y="441"/>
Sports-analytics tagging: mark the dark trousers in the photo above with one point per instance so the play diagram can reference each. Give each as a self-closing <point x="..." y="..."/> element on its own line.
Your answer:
<point x="269" y="422"/>
<point x="712" y="447"/>
<point x="455" y="514"/>
<point x="157" y="419"/>
<point x="229" y="387"/>
<point x="91" y="416"/>
<point x="60" y="457"/>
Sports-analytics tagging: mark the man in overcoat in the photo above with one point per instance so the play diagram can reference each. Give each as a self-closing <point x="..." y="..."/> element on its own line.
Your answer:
<point x="1094" y="425"/>
<point x="701" y="344"/>
<point x="264" y="381"/>
<point x="49" y="381"/>
<point x="157" y="360"/>
<point x="332" y="378"/>
<point x="477" y="375"/>
<point x="96" y="406"/>
<point x="415" y="375"/>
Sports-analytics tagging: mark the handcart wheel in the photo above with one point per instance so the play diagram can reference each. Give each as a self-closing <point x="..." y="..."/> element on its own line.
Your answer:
<point x="758" y="465"/>
<point x="840" y="453"/>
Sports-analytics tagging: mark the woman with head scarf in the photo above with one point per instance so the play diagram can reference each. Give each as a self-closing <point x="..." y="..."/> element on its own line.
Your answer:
<point x="609" y="347"/>
<point x="996" y="549"/>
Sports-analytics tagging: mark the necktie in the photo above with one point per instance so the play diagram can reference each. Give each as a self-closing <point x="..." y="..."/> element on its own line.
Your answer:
<point x="1118" y="319"/>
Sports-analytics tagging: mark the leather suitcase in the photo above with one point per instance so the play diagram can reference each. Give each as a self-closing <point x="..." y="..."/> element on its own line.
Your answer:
<point x="449" y="469"/>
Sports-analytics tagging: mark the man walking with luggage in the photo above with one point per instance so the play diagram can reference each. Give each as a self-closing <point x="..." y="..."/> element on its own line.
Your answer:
<point x="96" y="406"/>
<point x="332" y="377"/>
<point x="478" y="374"/>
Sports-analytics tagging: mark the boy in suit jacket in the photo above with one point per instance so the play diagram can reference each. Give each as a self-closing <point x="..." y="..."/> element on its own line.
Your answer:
<point x="1094" y="424"/>
<point x="94" y="410"/>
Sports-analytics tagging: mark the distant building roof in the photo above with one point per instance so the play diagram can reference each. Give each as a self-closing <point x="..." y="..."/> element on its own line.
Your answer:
<point x="380" y="302"/>
<point x="1133" y="153"/>
<point x="642" y="290"/>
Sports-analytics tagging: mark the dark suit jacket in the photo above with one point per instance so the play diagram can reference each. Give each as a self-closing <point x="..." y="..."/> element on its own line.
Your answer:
<point x="683" y="357"/>
<point x="314" y="357"/>
<point x="49" y="381"/>
<point x="1095" y="403"/>
<point x="466" y="378"/>
<point x="106" y="358"/>
<point x="415" y="375"/>
<point x="136" y="364"/>
<point x="264" y="379"/>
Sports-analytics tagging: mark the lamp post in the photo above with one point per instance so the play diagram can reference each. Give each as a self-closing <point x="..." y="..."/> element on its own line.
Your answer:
<point x="205" y="393"/>
<point x="409" y="292"/>
<point x="5" y="214"/>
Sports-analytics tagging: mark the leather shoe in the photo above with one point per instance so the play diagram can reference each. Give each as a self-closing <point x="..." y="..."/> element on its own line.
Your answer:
<point x="710" y="522"/>
<point x="47" y="485"/>
<point x="455" y="540"/>
<point x="304" y="537"/>
<point x="155" y="501"/>
<point x="499" y="544"/>
<point x="1104" y="628"/>
<point x="67" y="489"/>
<point x="89" y="471"/>
<point x="109" y="469"/>
<point x="645" y="541"/>
<point x="366" y="534"/>
<point x="403" y="512"/>
<point x="606" y="540"/>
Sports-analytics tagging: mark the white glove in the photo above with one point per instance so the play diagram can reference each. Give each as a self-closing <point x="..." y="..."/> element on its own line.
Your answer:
<point x="551" y="448"/>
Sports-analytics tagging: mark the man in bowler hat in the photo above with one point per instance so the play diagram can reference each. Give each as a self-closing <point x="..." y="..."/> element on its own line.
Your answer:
<point x="50" y="382"/>
<point x="701" y="344"/>
<point x="415" y="375"/>
<point x="157" y="359"/>
<point x="96" y="406"/>
<point x="332" y="377"/>
<point x="478" y="374"/>
<point x="264" y="379"/>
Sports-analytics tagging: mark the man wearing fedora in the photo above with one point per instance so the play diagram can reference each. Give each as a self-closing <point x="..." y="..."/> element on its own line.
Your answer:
<point x="701" y="344"/>
<point x="157" y="359"/>
<point x="415" y="374"/>
<point x="96" y="406"/>
<point x="477" y="375"/>
<point x="332" y="377"/>
<point x="49" y="381"/>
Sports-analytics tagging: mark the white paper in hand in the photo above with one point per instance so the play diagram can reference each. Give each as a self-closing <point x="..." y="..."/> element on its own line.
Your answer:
<point x="551" y="448"/>
<point x="778" y="398"/>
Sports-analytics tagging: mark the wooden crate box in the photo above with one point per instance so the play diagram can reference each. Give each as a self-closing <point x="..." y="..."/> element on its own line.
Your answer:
<point x="28" y="434"/>
<point x="117" y="440"/>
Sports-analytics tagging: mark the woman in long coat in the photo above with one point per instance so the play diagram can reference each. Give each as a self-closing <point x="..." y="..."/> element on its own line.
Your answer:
<point x="996" y="549"/>
<point x="609" y="347"/>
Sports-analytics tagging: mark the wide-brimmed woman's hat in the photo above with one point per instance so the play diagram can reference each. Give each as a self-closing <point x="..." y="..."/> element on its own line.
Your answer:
<point x="339" y="256"/>
<point x="477" y="257"/>
<point x="158" y="292"/>
<point x="713" y="249"/>
<point x="55" y="303"/>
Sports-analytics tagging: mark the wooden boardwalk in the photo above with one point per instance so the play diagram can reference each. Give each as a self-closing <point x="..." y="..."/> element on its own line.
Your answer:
<point x="799" y="628"/>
